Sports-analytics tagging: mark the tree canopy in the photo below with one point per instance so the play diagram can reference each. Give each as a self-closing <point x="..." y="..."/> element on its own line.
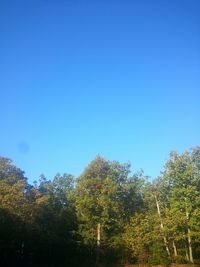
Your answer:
<point x="108" y="214"/>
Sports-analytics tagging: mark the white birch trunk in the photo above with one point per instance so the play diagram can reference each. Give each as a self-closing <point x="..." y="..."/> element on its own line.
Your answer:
<point x="189" y="236"/>
<point x="162" y="226"/>
<point x="175" y="249"/>
<point x="186" y="254"/>
<point x="98" y="243"/>
<point x="190" y="246"/>
<point x="98" y="235"/>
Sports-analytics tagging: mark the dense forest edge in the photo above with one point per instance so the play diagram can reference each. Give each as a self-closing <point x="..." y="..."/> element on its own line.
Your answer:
<point x="108" y="216"/>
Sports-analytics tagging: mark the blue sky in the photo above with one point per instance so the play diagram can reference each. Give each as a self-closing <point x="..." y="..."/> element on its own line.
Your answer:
<point x="81" y="78"/>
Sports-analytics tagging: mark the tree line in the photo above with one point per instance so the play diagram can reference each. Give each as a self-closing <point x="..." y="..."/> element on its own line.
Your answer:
<point x="108" y="215"/>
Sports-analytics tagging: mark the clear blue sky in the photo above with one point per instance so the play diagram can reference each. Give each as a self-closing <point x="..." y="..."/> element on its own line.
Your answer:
<point x="81" y="78"/>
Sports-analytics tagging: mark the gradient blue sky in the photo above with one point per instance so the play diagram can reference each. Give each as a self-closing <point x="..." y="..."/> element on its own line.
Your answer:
<point x="110" y="77"/>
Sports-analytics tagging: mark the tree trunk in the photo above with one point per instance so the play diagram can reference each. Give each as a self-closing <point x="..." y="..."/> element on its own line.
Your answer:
<point x="190" y="246"/>
<point x="175" y="249"/>
<point x="98" y="243"/>
<point x="98" y="235"/>
<point x="162" y="227"/>
<point x="186" y="254"/>
<point x="189" y="236"/>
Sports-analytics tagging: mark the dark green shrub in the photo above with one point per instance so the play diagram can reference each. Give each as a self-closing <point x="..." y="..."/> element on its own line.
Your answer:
<point x="158" y="255"/>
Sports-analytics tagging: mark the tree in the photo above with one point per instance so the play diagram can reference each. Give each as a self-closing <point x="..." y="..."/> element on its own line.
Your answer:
<point x="145" y="235"/>
<point x="182" y="174"/>
<point x="106" y="199"/>
<point x="54" y="220"/>
<point x="9" y="172"/>
<point x="15" y="212"/>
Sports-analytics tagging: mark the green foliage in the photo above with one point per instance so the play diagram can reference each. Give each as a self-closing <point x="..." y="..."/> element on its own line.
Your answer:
<point x="54" y="222"/>
<point x="106" y="195"/>
<point x="182" y="175"/>
<point x="176" y="224"/>
<point x="9" y="172"/>
<point x="180" y="259"/>
<point x="158" y="255"/>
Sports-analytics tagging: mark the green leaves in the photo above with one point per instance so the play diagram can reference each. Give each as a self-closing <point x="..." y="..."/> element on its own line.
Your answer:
<point x="137" y="220"/>
<point x="9" y="172"/>
<point x="175" y="221"/>
<point x="106" y="195"/>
